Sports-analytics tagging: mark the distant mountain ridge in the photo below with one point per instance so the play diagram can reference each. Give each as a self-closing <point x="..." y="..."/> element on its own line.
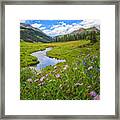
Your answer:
<point x="81" y="33"/>
<point x="78" y="31"/>
<point x="91" y="29"/>
<point x="32" y="34"/>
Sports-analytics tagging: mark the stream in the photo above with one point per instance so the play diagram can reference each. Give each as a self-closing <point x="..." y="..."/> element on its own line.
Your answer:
<point x="44" y="60"/>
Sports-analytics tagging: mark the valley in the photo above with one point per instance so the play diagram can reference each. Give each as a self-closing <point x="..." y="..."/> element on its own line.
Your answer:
<point x="74" y="79"/>
<point x="64" y="67"/>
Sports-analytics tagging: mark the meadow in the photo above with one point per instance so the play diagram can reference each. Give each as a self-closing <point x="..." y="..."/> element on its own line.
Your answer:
<point x="76" y="79"/>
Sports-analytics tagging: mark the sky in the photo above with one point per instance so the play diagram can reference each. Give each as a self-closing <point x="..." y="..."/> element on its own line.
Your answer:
<point x="61" y="27"/>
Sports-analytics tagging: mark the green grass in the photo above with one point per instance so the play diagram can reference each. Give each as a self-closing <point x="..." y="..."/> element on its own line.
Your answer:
<point x="26" y="48"/>
<point x="74" y="79"/>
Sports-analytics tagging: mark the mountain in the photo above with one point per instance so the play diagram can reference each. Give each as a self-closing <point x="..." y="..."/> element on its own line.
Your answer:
<point x="93" y="29"/>
<point x="32" y="34"/>
<point x="91" y="33"/>
<point x="82" y="30"/>
<point x="78" y="31"/>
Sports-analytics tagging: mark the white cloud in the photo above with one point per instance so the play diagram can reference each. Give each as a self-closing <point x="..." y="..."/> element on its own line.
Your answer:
<point x="62" y="23"/>
<point x="55" y="26"/>
<point x="58" y="29"/>
<point x="74" y="27"/>
<point x="90" y="23"/>
<point x="36" y="25"/>
<point x="42" y="28"/>
<point x="62" y="28"/>
<point x="47" y="31"/>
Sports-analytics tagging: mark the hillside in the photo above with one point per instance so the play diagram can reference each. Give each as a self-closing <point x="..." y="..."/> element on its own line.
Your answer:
<point x="78" y="31"/>
<point x="91" y="33"/>
<point x="32" y="34"/>
<point x="81" y="30"/>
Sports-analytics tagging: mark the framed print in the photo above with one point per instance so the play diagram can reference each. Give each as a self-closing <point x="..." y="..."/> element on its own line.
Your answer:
<point x="60" y="60"/>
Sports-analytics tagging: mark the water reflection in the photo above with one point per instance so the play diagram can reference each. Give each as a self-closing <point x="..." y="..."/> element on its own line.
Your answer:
<point x="44" y="60"/>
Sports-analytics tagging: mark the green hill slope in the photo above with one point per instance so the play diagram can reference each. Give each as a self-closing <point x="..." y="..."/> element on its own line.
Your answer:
<point x="32" y="34"/>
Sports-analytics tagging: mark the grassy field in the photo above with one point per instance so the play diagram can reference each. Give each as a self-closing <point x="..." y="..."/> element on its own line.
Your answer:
<point x="76" y="79"/>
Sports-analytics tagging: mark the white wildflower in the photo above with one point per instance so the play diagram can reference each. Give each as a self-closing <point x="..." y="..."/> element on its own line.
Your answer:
<point x="36" y="80"/>
<point x="42" y="78"/>
<point x="90" y="67"/>
<point x="55" y="67"/>
<point x="66" y="66"/>
<point x="30" y="80"/>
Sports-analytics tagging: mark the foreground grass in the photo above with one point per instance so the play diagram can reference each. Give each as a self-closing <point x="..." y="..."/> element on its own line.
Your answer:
<point x="76" y="79"/>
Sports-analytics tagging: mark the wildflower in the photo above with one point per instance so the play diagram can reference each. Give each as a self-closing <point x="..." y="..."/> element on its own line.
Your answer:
<point x="92" y="60"/>
<point x="66" y="66"/>
<point x="54" y="71"/>
<point x="36" y="80"/>
<point x="57" y="75"/>
<point x="46" y="75"/>
<point x="40" y="84"/>
<point x="60" y="85"/>
<point x="84" y="63"/>
<point x="90" y="67"/>
<point x="89" y="86"/>
<point x="39" y="73"/>
<point x="55" y="67"/>
<point x="43" y="83"/>
<point x="97" y="97"/>
<point x="81" y="84"/>
<point x="93" y="94"/>
<point x="84" y="58"/>
<point x="88" y="55"/>
<point x="42" y="78"/>
<point x="78" y="84"/>
<point x="30" y="80"/>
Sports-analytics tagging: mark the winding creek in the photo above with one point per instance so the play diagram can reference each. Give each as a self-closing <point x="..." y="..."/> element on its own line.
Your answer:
<point x="44" y="60"/>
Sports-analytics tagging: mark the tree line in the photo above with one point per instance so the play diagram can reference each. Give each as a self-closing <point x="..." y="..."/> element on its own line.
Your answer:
<point x="87" y="35"/>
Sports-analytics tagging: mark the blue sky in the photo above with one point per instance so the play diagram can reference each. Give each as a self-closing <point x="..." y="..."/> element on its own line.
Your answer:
<point x="60" y="27"/>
